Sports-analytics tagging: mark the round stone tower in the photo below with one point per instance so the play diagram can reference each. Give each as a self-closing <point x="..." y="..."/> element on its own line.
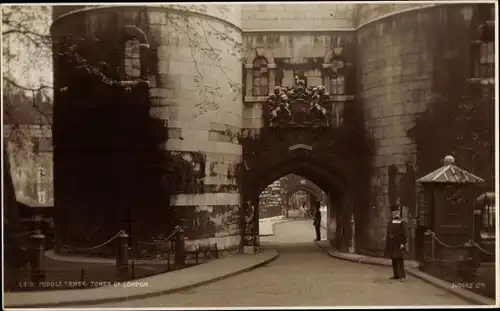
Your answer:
<point x="146" y="119"/>
<point x="407" y="56"/>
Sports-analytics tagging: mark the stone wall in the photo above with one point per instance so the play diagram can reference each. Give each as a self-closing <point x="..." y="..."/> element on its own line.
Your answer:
<point x="321" y="56"/>
<point x="366" y="13"/>
<point x="193" y="96"/>
<point x="396" y="59"/>
<point x="309" y="51"/>
<point x="405" y="61"/>
<point x="299" y="17"/>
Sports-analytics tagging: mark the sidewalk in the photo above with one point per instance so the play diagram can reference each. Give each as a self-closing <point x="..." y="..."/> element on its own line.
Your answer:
<point x="411" y="269"/>
<point x="147" y="287"/>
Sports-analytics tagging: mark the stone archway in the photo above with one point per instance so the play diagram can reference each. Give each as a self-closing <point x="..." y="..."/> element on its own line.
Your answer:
<point x="329" y="177"/>
<point x="307" y="188"/>
<point x="297" y="139"/>
<point x="313" y="194"/>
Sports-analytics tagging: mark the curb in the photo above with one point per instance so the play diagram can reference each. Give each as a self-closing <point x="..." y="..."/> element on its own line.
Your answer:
<point x="462" y="293"/>
<point x="411" y="270"/>
<point x="366" y="260"/>
<point x="147" y="295"/>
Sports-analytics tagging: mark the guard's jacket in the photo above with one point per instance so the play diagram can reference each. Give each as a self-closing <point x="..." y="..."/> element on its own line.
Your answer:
<point x="396" y="235"/>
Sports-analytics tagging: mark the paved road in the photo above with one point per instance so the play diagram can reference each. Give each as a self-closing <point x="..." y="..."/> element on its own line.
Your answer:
<point x="304" y="276"/>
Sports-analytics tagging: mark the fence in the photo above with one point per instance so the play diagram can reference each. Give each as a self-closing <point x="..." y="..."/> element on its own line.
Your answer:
<point x="466" y="263"/>
<point x="161" y="256"/>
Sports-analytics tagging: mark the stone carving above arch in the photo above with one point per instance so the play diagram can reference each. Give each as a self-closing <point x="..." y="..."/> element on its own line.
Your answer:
<point x="299" y="106"/>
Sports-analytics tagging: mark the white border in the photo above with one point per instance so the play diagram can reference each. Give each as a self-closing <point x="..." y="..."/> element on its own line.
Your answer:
<point x="317" y="308"/>
<point x="497" y="175"/>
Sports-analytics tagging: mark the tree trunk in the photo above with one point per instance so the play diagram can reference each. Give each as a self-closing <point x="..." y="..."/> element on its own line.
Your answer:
<point x="13" y="242"/>
<point x="11" y="215"/>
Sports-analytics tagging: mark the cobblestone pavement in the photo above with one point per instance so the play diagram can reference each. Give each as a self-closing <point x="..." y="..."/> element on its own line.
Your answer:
<point x="304" y="276"/>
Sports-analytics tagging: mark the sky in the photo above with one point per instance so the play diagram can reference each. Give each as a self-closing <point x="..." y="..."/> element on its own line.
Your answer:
<point x="30" y="66"/>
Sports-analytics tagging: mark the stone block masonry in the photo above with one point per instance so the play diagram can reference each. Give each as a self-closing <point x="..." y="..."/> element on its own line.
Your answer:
<point x="204" y="116"/>
<point x="295" y="16"/>
<point x="390" y="61"/>
<point x="399" y="70"/>
<point x="193" y="68"/>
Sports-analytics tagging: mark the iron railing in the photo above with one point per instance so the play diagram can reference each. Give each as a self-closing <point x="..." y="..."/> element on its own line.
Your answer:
<point x="45" y="273"/>
<point x="462" y="263"/>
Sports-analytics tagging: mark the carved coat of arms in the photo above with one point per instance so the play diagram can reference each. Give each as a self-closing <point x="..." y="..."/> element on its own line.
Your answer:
<point x="298" y="106"/>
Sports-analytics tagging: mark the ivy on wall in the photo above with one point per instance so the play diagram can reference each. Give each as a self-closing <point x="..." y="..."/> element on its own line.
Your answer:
<point x="187" y="171"/>
<point x="462" y="127"/>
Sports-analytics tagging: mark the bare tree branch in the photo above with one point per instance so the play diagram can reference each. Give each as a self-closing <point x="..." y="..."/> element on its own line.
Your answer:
<point x="18" y="24"/>
<point x="25" y="88"/>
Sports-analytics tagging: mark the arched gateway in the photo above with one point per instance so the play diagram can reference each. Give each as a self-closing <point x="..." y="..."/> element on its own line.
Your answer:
<point x="298" y="139"/>
<point x="134" y="149"/>
<point x="313" y="190"/>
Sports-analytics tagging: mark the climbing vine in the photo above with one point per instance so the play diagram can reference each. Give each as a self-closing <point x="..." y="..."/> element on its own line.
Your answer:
<point x="462" y="127"/>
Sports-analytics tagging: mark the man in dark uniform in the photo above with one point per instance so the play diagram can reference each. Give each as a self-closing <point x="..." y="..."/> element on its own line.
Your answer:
<point x="395" y="243"/>
<point x="317" y="220"/>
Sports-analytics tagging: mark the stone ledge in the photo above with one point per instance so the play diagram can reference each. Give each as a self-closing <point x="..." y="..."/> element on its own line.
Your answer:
<point x="411" y="269"/>
<point x="255" y="99"/>
<point x="333" y="98"/>
<point x="271" y="219"/>
<point x="205" y="199"/>
<point x="252" y="31"/>
<point x="153" y="7"/>
<point x="270" y="222"/>
<point x="342" y="98"/>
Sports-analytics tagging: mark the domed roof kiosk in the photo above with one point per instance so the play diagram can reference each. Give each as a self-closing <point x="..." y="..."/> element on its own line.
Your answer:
<point x="452" y="220"/>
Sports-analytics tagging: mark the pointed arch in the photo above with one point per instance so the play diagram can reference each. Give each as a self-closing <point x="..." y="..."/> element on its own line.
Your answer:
<point x="316" y="191"/>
